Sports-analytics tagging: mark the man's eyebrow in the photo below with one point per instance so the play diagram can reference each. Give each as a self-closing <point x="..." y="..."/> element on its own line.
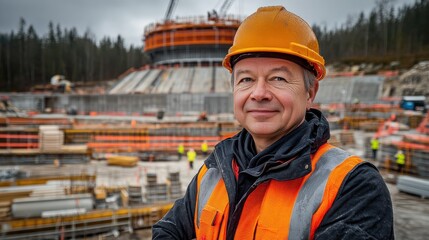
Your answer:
<point x="276" y="69"/>
<point x="282" y="69"/>
<point x="242" y="71"/>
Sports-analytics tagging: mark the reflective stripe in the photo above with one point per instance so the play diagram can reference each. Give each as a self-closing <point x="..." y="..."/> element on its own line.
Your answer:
<point x="208" y="183"/>
<point x="311" y="194"/>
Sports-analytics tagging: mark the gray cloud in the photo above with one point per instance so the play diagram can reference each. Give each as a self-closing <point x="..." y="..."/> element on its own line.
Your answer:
<point x="129" y="17"/>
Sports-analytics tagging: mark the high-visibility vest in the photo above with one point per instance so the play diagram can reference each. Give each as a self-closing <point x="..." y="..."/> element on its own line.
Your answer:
<point x="374" y="144"/>
<point x="191" y="155"/>
<point x="204" y="147"/>
<point x="290" y="209"/>
<point x="400" y="158"/>
<point x="181" y="149"/>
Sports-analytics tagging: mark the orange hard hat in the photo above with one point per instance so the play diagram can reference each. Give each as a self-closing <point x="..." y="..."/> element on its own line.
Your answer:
<point x="275" y="32"/>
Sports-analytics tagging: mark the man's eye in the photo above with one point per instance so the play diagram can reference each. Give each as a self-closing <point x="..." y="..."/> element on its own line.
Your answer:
<point x="279" y="79"/>
<point x="245" y="80"/>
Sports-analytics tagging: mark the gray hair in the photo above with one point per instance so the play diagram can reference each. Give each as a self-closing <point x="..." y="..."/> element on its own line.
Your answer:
<point x="309" y="79"/>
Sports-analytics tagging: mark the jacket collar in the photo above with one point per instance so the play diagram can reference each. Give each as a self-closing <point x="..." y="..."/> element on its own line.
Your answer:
<point x="288" y="158"/>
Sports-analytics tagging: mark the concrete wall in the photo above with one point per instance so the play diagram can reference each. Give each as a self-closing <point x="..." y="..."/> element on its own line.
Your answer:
<point x="365" y="89"/>
<point x="212" y="103"/>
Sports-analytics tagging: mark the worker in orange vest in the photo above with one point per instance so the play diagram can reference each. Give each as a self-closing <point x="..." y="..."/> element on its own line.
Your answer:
<point x="278" y="178"/>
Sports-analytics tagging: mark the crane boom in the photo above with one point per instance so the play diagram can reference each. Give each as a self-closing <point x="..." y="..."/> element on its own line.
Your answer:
<point x="170" y="9"/>
<point x="225" y="6"/>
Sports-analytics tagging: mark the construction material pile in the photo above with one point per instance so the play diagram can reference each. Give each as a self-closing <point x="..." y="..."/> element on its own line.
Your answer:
<point x="124" y="161"/>
<point x="51" y="139"/>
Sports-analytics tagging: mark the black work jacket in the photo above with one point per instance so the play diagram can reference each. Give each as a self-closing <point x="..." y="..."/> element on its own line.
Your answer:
<point x="361" y="210"/>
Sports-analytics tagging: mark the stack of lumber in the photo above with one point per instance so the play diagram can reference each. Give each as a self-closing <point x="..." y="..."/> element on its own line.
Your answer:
<point x="371" y="125"/>
<point x="135" y="195"/>
<point x="74" y="149"/>
<point x="55" y="191"/>
<point x="347" y="137"/>
<point x="334" y="141"/>
<point x="155" y="192"/>
<point x="100" y="193"/>
<point x="125" y="198"/>
<point x="175" y="185"/>
<point x="4" y="209"/>
<point x="124" y="161"/>
<point x="51" y="138"/>
<point x="342" y="138"/>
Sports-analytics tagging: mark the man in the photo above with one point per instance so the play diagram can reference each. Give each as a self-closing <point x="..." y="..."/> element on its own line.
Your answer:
<point x="400" y="160"/>
<point x="204" y="148"/>
<point x="180" y="150"/>
<point x="374" y="147"/>
<point x="191" y="157"/>
<point x="278" y="178"/>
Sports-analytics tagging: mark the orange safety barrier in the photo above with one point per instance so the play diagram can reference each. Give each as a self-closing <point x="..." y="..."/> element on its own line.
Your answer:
<point x="18" y="145"/>
<point x="37" y="121"/>
<point x="151" y="142"/>
<point x="387" y="128"/>
<point x="145" y="145"/>
<point x="190" y="32"/>
<point x="19" y="136"/>
<point x="156" y="138"/>
<point x="418" y="138"/>
<point x="408" y="145"/>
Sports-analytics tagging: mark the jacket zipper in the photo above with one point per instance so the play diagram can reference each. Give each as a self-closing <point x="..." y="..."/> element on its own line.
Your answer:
<point x="233" y="220"/>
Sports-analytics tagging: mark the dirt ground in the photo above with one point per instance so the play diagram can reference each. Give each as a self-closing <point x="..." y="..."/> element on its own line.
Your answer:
<point x="411" y="214"/>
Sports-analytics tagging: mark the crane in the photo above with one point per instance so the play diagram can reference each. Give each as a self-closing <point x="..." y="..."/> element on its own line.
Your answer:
<point x="225" y="6"/>
<point x="214" y="15"/>
<point x="170" y="9"/>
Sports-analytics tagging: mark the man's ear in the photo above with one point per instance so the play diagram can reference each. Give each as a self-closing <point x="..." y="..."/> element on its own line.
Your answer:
<point x="311" y="94"/>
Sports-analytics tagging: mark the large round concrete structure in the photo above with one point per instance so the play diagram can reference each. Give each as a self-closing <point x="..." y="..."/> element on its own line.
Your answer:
<point x="190" y="41"/>
<point x="186" y="57"/>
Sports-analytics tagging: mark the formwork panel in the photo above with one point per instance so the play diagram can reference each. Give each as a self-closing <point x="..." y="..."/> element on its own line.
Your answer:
<point x="222" y="80"/>
<point x="202" y="80"/>
<point x="119" y="88"/>
<point x="165" y="82"/>
<point x="146" y="83"/>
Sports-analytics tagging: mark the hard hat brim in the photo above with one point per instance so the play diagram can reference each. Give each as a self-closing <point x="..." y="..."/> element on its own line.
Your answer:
<point x="314" y="59"/>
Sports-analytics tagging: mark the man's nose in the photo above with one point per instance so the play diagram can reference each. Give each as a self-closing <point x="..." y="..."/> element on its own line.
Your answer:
<point x="261" y="91"/>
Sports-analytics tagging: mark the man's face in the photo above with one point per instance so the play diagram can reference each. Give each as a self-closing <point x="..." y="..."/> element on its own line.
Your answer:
<point x="270" y="98"/>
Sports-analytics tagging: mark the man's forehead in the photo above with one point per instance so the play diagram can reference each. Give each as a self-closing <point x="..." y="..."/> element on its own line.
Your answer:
<point x="251" y="65"/>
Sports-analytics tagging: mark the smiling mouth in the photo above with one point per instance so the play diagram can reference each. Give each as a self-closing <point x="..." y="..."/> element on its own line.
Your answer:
<point x="262" y="112"/>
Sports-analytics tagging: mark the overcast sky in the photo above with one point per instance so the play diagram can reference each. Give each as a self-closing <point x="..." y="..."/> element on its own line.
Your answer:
<point x="129" y="17"/>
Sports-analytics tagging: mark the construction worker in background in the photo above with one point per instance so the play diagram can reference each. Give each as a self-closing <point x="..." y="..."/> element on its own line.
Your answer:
<point x="375" y="144"/>
<point x="3" y="104"/>
<point x="400" y="160"/>
<point x="180" y="151"/>
<point x="57" y="163"/>
<point x="202" y="117"/>
<point x="191" y="157"/>
<point x="204" y="148"/>
<point x="7" y="106"/>
<point x="278" y="178"/>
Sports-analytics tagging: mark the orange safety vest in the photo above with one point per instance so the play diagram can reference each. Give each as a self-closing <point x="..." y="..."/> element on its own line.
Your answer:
<point x="290" y="209"/>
